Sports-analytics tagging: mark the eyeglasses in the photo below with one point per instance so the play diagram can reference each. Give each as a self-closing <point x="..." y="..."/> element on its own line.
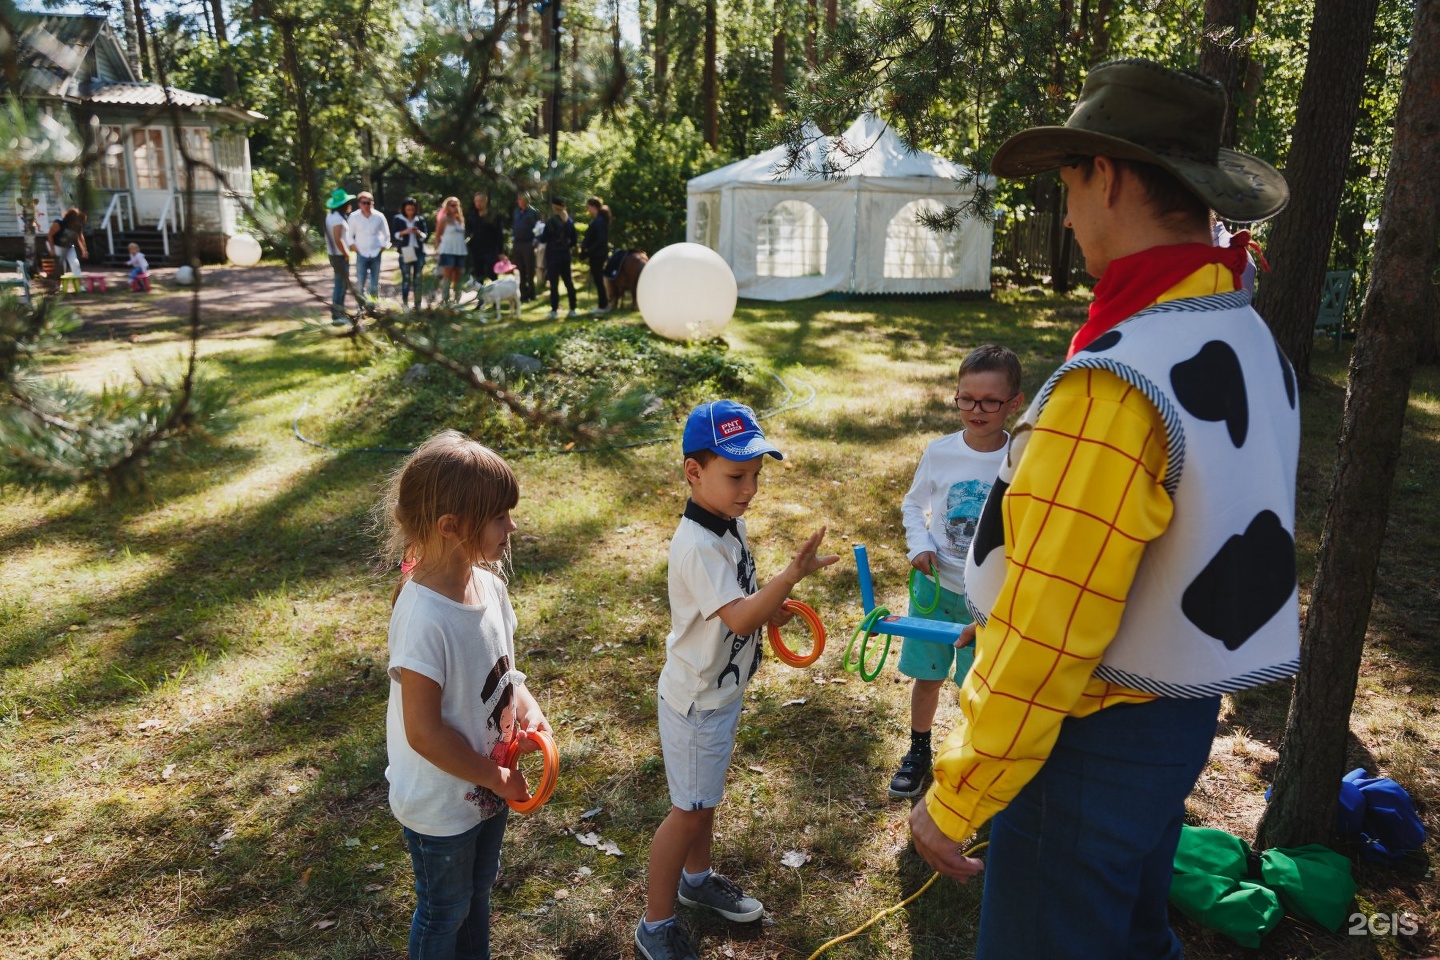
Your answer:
<point x="988" y="405"/>
<point x="366" y="203"/>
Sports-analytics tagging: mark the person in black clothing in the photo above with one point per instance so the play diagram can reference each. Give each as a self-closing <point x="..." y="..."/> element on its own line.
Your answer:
<point x="560" y="238"/>
<point x="407" y="234"/>
<point x="484" y="237"/>
<point x="596" y="248"/>
<point x="522" y="249"/>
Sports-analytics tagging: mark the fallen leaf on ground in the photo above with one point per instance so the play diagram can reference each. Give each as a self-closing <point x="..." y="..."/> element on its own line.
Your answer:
<point x="591" y="813"/>
<point x="793" y="703"/>
<point x="323" y="924"/>
<point x="795" y="858"/>
<point x="372" y="867"/>
<point x="168" y="772"/>
<point x="589" y="839"/>
<point x="374" y="887"/>
<point x="610" y="849"/>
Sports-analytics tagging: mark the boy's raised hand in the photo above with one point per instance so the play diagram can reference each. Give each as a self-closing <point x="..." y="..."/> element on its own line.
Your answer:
<point x="806" y="561"/>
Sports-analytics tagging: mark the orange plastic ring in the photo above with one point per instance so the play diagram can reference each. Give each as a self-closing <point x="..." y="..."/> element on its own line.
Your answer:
<point x="548" y="778"/>
<point x="817" y="630"/>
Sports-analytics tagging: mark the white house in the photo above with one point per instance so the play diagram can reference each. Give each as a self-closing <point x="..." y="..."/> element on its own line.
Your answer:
<point x="76" y="64"/>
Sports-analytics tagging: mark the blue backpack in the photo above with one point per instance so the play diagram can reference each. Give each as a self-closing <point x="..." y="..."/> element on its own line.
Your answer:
<point x="1378" y="812"/>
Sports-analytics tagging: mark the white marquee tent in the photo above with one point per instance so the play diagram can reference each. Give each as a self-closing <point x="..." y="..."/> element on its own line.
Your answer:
<point x="797" y="236"/>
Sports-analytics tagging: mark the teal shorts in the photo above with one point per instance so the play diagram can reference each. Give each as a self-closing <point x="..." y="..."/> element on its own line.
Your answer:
<point x="925" y="660"/>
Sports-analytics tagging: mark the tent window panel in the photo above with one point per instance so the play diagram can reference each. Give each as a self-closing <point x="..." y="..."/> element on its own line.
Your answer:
<point x="792" y="241"/>
<point x="702" y="224"/>
<point x="915" y="252"/>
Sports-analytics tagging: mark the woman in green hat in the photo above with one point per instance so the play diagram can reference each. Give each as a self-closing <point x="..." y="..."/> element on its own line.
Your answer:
<point x="337" y="246"/>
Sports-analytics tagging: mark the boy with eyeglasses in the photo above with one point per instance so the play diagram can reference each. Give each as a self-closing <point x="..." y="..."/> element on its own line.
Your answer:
<point x="940" y="512"/>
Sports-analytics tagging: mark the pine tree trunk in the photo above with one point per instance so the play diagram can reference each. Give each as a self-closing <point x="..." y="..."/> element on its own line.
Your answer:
<point x="832" y="15"/>
<point x="1225" y="54"/>
<point x="777" y="58"/>
<point x="295" y="79"/>
<point x="1392" y="324"/>
<point x="812" y="25"/>
<point x="1298" y="245"/>
<point x="662" y="57"/>
<point x="142" y="46"/>
<point x="710" y="81"/>
<point x="222" y="42"/>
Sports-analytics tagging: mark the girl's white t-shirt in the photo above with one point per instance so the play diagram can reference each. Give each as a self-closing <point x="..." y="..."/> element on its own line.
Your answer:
<point x="470" y="652"/>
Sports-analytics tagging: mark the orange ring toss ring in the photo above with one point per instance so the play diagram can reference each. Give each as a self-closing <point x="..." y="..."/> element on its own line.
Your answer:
<point x="817" y="630"/>
<point x="548" y="778"/>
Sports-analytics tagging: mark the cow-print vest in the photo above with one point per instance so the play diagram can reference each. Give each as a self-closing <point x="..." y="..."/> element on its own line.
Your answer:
<point x="1214" y="606"/>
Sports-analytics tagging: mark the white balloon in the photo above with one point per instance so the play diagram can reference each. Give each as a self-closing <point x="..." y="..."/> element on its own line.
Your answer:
<point x="243" y="250"/>
<point x="687" y="292"/>
<point x="185" y="275"/>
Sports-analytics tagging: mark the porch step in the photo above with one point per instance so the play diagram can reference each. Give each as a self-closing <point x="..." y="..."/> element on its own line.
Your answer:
<point x="151" y="243"/>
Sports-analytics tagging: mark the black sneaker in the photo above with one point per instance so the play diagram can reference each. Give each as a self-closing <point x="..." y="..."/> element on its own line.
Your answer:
<point x="670" y="942"/>
<point x="909" y="780"/>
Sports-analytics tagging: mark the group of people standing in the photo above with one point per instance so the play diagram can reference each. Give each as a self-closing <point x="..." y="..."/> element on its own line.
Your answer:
<point x="470" y="239"/>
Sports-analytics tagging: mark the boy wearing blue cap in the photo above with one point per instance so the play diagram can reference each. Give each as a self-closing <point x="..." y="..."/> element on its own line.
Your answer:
<point x="717" y="613"/>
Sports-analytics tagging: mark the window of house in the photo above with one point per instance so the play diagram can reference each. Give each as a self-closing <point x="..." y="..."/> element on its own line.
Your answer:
<point x="230" y="158"/>
<point x="196" y="141"/>
<point x="792" y="241"/>
<point x="915" y="252"/>
<point x="148" y="149"/>
<point x="109" y="172"/>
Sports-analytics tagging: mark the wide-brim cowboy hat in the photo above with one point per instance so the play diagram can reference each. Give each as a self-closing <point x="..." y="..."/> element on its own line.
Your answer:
<point x="338" y="198"/>
<point x="1139" y="110"/>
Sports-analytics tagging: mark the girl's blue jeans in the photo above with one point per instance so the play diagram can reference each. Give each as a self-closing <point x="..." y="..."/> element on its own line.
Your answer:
<point x="453" y="878"/>
<point x="1080" y="862"/>
<point x="410" y="278"/>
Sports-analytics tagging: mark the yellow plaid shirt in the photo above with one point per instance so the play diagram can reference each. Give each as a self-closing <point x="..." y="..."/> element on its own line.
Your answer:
<point x="1085" y="500"/>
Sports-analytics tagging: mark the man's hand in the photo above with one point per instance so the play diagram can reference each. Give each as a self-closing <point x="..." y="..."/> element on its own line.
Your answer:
<point x="925" y="562"/>
<point x="967" y="636"/>
<point x="938" y="850"/>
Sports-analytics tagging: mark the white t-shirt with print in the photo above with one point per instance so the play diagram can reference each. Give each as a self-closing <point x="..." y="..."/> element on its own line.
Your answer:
<point x="470" y="652"/>
<point x="710" y="565"/>
<point x="943" y="504"/>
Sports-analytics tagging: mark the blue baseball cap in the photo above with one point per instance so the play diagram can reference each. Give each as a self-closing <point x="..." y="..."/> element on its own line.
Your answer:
<point x="728" y="428"/>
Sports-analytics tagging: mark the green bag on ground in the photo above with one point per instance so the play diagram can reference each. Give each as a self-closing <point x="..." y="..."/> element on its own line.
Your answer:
<point x="1222" y="885"/>
<point x="1210" y="886"/>
<point x="1313" y="882"/>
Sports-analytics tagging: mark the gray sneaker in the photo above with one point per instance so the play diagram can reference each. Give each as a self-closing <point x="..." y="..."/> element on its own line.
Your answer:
<point x="670" y="942"/>
<point x="721" y="895"/>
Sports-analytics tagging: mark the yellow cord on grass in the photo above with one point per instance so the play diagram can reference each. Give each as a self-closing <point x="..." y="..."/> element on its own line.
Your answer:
<point x="889" y="910"/>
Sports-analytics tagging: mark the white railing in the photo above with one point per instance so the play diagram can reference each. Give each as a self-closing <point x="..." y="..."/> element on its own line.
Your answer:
<point x="172" y="218"/>
<point x="122" y="212"/>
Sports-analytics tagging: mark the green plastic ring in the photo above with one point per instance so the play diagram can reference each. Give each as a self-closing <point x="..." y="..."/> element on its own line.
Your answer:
<point x="865" y="624"/>
<point x="868" y="623"/>
<point x="934" y="572"/>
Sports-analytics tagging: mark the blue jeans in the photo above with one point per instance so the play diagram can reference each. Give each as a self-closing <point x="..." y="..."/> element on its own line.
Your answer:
<point x="1079" y="864"/>
<point x="340" y="264"/>
<point x="410" y="278"/>
<point x="453" y="878"/>
<point x="367" y="268"/>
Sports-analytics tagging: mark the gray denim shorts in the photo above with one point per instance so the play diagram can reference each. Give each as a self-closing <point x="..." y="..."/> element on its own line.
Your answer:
<point x="697" y="748"/>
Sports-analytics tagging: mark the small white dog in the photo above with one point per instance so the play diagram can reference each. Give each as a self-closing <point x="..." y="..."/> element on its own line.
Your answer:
<point x="500" y="292"/>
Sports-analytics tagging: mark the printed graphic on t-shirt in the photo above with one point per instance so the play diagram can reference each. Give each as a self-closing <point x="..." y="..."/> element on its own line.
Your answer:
<point x="962" y="512"/>
<point x="745" y="576"/>
<point x="498" y="704"/>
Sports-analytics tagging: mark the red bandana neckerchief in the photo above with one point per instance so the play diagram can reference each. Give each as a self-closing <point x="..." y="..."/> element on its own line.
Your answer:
<point x="1135" y="282"/>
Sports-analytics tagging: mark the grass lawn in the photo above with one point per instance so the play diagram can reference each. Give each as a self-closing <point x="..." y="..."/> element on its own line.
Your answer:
<point x="192" y="706"/>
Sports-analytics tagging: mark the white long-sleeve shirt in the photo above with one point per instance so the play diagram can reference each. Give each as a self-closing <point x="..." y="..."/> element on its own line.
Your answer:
<point x="370" y="234"/>
<point x="942" y="506"/>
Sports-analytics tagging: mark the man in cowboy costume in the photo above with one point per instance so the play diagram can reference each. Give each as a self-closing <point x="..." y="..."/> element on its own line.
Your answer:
<point x="1135" y="558"/>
